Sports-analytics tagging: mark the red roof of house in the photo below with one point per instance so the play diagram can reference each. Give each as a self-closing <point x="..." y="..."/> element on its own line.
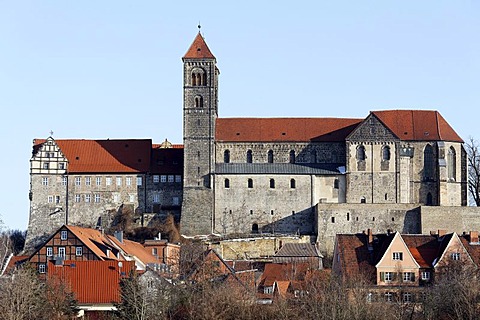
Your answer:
<point x="284" y="129"/>
<point x="424" y="248"/>
<point x="283" y="272"/>
<point x="421" y="125"/>
<point x="199" y="49"/>
<point x="136" y="249"/>
<point x="105" y="155"/>
<point x="92" y="281"/>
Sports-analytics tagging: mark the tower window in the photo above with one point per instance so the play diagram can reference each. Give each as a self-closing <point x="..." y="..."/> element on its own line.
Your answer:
<point x="226" y="156"/>
<point x="292" y="156"/>
<point x="270" y="156"/>
<point x="198" y="102"/>
<point x="250" y="183"/>
<point x="292" y="183"/>
<point x="272" y="183"/>
<point x="227" y="183"/>
<point x="249" y="156"/>
<point x="335" y="183"/>
<point x="428" y="163"/>
<point x="451" y="164"/>
<point x="361" y="153"/>
<point x="386" y="153"/>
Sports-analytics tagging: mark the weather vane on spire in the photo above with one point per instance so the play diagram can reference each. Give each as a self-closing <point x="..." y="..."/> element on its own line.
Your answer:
<point x="199" y="26"/>
<point x="51" y="133"/>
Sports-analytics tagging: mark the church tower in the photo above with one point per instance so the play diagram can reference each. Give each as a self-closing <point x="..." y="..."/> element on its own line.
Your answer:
<point x="200" y="110"/>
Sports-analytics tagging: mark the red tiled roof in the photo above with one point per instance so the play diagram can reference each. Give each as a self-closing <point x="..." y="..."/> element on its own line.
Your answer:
<point x="424" y="248"/>
<point x="421" y="125"/>
<point x="136" y="249"/>
<point x="283" y="272"/>
<point x="105" y="155"/>
<point x="92" y="281"/>
<point x="12" y="263"/>
<point x="89" y="237"/>
<point x="284" y="129"/>
<point x="199" y="49"/>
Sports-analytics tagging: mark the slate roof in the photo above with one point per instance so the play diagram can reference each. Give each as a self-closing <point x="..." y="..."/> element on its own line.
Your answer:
<point x="284" y="129"/>
<point x="298" y="250"/>
<point x="277" y="168"/>
<point x="92" y="282"/>
<point x="417" y="125"/>
<point x="199" y="49"/>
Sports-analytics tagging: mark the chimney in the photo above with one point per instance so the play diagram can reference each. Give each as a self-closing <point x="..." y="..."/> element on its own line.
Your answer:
<point x="473" y="236"/>
<point x="119" y="235"/>
<point x="441" y="232"/>
<point x="370" y="239"/>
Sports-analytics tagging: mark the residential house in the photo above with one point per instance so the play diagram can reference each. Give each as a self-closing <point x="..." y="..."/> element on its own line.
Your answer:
<point x="299" y="253"/>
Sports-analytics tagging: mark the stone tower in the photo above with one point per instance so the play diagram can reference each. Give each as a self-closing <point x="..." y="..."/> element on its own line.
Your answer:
<point x="200" y="110"/>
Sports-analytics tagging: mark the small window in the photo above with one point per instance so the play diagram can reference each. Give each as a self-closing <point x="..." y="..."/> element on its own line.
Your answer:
<point x="408" y="276"/>
<point x="272" y="183"/>
<point x="88" y="198"/>
<point x="397" y="256"/>
<point x="425" y="275"/>
<point x="41" y="268"/>
<point x="178" y="178"/>
<point x="292" y="184"/>
<point x="227" y="183"/>
<point x="251" y="211"/>
<point x="61" y="166"/>
<point x="45" y="166"/>
<point x="361" y="153"/>
<point x="45" y="181"/>
<point x="88" y="181"/>
<point x="407" y="297"/>
<point x="63" y="235"/>
<point x="57" y="199"/>
<point x="270" y="156"/>
<point x="77" y="198"/>
<point x="78" y="181"/>
<point x="98" y="181"/>
<point x="333" y="219"/>
<point x="363" y="200"/>
<point x="170" y="178"/>
<point x="49" y="251"/>
<point x="139" y="181"/>
<point x="128" y="181"/>
<point x="250" y="183"/>
<point x="386" y="153"/>
<point x="226" y="156"/>
<point x="156" y="198"/>
<point x="388" y="276"/>
<point x="156" y="178"/>
<point x="131" y="198"/>
<point x="388" y="296"/>
<point x="78" y="251"/>
<point x="108" y="181"/>
<point x="61" y="251"/>
<point x="249" y="156"/>
<point x="335" y="183"/>
<point x="456" y="256"/>
<point x="64" y="181"/>
<point x="50" y="199"/>
<point x="97" y="198"/>
<point x="163" y="178"/>
<point x="118" y="181"/>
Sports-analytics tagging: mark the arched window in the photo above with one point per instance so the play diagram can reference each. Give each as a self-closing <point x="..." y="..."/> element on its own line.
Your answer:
<point x="361" y="153"/>
<point x="429" y="199"/>
<point x="270" y="156"/>
<point x="199" y="77"/>
<point x="226" y="156"/>
<point x="250" y="183"/>
<point x="249" y="156"/>
<point x="254" y="228"/>
<point x="198" y="102"/>
<point x="292" y="156"/>
<point x="292" y="183"/>
<point x="272" y="183"/>
<point x="227" y="183"/>
<point x="386" y="153"/>
<point x="428" y="163"/>
<point x="452" y="164"/>
<point x="335" y="183"/>
<point x="363" y="200"/>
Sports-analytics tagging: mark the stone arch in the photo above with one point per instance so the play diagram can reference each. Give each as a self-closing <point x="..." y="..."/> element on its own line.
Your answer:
<point x="199" y="77"/>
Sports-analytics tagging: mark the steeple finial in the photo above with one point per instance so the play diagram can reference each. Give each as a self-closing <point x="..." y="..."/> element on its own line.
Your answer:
<point x="199" y="26"/>
<point x="51" y="133"/>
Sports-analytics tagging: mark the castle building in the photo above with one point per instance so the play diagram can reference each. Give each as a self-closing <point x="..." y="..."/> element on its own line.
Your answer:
<point x="248" y="175"/>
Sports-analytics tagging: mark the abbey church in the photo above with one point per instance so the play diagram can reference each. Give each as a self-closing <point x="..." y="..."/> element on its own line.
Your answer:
<point x="254" y="175"/>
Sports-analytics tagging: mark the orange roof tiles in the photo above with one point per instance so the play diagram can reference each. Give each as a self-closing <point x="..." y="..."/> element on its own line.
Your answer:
<point x="105" y="155"/>
<point x="136" y="249"/>
<point x="284" y="129"/>
<point x="421" y="125"/>
<point x="92" y="281"/>
<point x="199" y="49"/>
<point x="424" y="248"/>
<point x="90" y="238"/>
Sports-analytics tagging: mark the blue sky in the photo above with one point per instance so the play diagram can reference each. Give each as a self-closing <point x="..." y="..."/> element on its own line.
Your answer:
<point x="113" y="69"/>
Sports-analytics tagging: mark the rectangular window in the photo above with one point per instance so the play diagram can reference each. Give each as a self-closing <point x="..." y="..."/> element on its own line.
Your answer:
<point x="99" y="181"/>
<point x="407" y="297"/>
<point x="456" y="256"/>
<point x="61" y="166"/>
<point x="154" y="251"/>
<point x="408" y="276"/>
<point x="131" y="197"/>
<point x="61" y="252"/>
<point x="178" y="178"/>
<point x="50" y="199"/>
<point x="63" y="235"/>
<point x="77" y="198"/>
<point x="388" y="296"/>
<point x="156" y="178"/>
<point x="170" y="178"/>
<point x="49" y="251"/>
<point x="97" y="198"/>
<point x="88" y="181"/>
<point x="388" y="276"/>
<point x="119" y="181"/>
<point x="398" y="256"/>
<point x="108" y="181"/>
<point x="425" y="275"/>
<point x="78" y="181"/>
<point x="45" y="181"/>
<point x="57" y="199"/>
<point x="116" y="197"/>
<point x="139" y="181"/>
<point x="45" y="166"/>
<point x="78" y="251"/>
<point x="41" y="268"/>
<point x="88" y="198"/>
<point x="64" y="181"/>
<point x="156" y="198"/>
<point x="163" y="178"/>
<point x="128" y="181"/>
<point x="176" y="201"/>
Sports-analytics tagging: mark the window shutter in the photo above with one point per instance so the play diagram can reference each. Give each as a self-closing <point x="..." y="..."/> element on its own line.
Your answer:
<point x="394" y="276"/>
<point x="413" y="276"/>
<point x="382" y="276"/>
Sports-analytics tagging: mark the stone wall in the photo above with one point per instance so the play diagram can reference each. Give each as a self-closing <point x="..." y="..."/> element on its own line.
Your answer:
<point x="452" y="219"/>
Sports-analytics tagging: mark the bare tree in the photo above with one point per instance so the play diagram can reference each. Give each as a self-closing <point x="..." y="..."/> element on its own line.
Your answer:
<point x="473" y="154"/>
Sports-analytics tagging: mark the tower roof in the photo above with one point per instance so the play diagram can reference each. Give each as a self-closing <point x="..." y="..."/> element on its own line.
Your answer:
<point x="199" y="49"/>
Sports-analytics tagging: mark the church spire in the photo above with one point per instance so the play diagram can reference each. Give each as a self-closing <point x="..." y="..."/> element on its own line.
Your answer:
<point x="199" y="49"/>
